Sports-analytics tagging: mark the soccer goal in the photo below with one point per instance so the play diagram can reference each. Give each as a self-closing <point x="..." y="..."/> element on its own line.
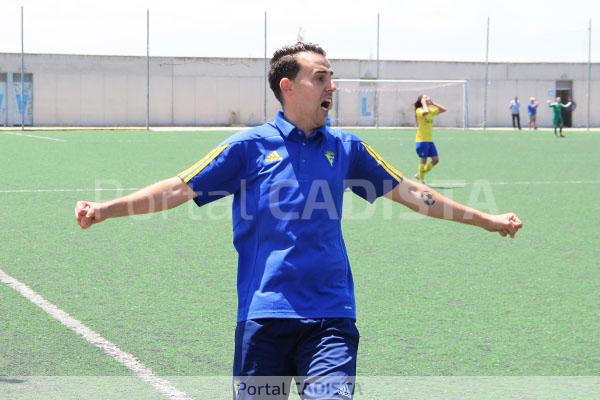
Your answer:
<point x="389" y="102"/>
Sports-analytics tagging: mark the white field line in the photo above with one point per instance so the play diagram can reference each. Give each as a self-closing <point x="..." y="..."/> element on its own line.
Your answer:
<point x="66" y="190"/>
<point x="457" y="183"/>
<point x="33" y="136"/>
<point x="592" y="182"/>
<point x="144" y="373"/>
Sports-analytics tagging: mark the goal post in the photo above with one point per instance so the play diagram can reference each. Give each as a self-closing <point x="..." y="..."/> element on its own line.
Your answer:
<point x="389" y="102"/>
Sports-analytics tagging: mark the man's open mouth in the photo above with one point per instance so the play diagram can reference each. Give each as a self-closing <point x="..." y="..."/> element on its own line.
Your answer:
<point x="326" y="105"/>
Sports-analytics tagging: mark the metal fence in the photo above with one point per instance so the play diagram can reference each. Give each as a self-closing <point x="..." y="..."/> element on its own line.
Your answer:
<point x="177" y="32"/>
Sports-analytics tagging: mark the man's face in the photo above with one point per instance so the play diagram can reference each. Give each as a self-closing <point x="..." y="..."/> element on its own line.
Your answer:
<point x="558" y="99"/>
<point x="311" y="97"/>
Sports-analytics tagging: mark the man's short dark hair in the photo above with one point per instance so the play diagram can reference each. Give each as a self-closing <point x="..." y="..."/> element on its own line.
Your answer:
<point x="284" y="64"/>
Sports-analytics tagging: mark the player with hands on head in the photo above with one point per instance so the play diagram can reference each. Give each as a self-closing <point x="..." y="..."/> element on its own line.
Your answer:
<point x="425" y="112"/>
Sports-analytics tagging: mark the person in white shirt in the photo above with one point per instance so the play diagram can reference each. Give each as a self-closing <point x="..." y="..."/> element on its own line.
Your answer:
<point x="515" y="110"/>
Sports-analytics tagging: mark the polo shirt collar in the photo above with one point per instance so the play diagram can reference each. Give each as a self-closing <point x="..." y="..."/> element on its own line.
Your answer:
<point x="286" y="127"/>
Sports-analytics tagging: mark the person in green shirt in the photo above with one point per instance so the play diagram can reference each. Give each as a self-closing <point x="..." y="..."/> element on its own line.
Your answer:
<point x="557" y="119"/>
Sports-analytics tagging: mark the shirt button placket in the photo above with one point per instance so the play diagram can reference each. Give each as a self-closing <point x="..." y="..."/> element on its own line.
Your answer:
<point x="302" y="157"/>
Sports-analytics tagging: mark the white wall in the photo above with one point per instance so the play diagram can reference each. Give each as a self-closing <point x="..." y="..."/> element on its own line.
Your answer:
<point x="76" y="90"/>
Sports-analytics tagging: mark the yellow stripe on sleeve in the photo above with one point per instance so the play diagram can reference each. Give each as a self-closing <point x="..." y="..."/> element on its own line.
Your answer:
<point x="195" y="169"/>
<point x="387" y="167"/>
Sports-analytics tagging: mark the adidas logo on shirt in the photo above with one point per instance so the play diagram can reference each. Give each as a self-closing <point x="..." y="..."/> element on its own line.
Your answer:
<point x="272" y="157"/>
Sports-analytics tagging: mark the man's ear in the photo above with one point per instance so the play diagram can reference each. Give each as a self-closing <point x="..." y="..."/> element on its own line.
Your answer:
<point x="286" y="85"/>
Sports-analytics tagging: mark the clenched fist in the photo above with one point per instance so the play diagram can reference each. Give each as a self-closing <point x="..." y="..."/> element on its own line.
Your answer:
<point x="88" y="213"/>
<point x="504" y="224"/>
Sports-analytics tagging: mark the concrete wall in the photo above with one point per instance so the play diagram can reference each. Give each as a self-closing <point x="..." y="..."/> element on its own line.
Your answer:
<point x="76" y="90"/>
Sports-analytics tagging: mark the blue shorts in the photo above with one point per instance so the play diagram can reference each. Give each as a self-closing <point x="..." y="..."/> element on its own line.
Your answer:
<point x="319" y="353"/>
<point x="426" y="149"/>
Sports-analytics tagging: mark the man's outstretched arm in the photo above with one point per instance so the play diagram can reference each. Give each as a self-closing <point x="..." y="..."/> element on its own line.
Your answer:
<point x="159" y="196"/>
<point x="424" y="200"/>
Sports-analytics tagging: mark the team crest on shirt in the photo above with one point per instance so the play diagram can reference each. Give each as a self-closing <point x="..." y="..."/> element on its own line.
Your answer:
<point x="273" y="157"/>
<point x="330" y="156"/>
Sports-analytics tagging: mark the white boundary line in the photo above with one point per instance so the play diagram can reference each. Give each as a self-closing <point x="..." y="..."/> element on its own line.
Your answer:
<point x="33" y="136"/>
<point x="102" y="129"/>
<point x="144" y="373"/>
<point x="455" y="184"/>
<point x="65" y="190"/>
<point x="458" y="183"/>
<point x="546" y="183"/>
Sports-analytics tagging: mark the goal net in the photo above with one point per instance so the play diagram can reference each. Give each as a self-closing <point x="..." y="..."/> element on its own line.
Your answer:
<point x="389" y="103"/>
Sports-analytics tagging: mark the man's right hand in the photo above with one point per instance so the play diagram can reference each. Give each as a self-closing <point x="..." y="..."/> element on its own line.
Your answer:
<point x="88" y="213"/>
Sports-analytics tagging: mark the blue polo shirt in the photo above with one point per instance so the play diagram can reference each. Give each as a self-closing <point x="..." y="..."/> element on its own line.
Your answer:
<point x="288" y="191"/>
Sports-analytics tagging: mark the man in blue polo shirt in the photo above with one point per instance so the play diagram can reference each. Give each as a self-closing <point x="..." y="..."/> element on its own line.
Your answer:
<point x="296" y="306"/>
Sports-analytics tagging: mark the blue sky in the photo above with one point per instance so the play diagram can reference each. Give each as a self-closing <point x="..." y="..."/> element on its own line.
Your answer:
<point x="550" y="30"/>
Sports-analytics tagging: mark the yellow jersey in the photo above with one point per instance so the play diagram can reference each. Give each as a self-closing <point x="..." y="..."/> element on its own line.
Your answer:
<point x="425" y="124"/>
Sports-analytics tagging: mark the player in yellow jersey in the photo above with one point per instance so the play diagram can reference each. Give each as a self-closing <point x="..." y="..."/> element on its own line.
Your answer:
<point x="425" y="111"/>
